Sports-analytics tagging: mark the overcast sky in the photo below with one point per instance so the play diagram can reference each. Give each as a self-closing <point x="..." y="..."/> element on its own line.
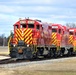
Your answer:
<point x="52" y="11"/>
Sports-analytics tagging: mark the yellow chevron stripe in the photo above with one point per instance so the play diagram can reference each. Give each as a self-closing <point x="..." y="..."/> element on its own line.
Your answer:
<point x="53" y="33"/>
<point x="27" y="35"/>
<point x="19" y="37"/>
<point x="30" y="42"/>
<point x="28" y="38"/>
<point x="20" y="32"/>
<point x="15" y="35"/>
<point x="54" y="41"/>
<point x="26" y="31"/>
<point x="16" y="39"/>
<point x="54" y="36"/>
<point x="70" y="39"/>
<point x="20" y="29"/>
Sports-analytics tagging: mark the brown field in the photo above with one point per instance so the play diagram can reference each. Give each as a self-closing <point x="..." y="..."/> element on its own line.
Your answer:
<point x="4" y="50"/>
<point x="66" y="67"/>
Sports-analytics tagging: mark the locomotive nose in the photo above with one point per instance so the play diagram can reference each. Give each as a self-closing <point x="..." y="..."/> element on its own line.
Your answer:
<point x="24" y="35"/>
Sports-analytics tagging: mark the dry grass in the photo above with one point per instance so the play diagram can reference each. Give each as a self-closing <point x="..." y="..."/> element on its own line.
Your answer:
<point x="4" y="50"/>
<point x="44" y="73"/>
<point x="36" y="72"/>
<point x="67" y="67"/>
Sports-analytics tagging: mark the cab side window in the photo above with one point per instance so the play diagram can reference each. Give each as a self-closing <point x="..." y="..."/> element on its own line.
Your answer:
<point x="30" y="25"/>
<point x="16" y="27"/>
<point x="23" y="25"/>
<point x="37" y="27"/>
<point x="59" y="31"/>
<point x="70" y="33"/>
<point x="54" y="30"/>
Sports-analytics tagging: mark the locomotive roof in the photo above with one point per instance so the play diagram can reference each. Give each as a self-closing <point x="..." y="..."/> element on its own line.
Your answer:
<point x="72" y="29"/>
<point x="59" y="25"/>
<point x="44" y="24"/>
<point x="38" y="21"/>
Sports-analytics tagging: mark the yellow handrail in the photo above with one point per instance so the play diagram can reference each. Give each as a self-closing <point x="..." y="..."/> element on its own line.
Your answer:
<point x="9" y="43"/>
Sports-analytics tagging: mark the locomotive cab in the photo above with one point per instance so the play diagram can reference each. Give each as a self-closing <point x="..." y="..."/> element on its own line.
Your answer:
<point x="27" y="26"/>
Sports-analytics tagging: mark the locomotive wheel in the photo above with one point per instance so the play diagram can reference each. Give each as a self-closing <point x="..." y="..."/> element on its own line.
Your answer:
<point x="59" y="53"/>
<point x="40" y="51"/>
<point x="35" y="56"/>
<point x="51" y="53"/>
<point x="70" y="52"/>
<point x="62" y="52"/>
<point x="27" y="53"/>
<point x="54" y="53"/>
<point x="13" y="52"/>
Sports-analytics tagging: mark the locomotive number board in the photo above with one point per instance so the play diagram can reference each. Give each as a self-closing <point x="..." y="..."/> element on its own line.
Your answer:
<point x="54" y="26"/>
<point x="29" y="22"/>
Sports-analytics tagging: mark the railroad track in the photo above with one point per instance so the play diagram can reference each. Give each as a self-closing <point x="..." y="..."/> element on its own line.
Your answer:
<point x="15" y="60"/>
<point x="11" y="61"/>
<point x="23" y="63"/>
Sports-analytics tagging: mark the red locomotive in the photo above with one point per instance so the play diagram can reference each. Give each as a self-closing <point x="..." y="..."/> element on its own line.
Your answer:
<point x="58" y="40"/>
<point x="29" y="40"/>
<point x="72" y="41"/>
<point x="33" y="38"/>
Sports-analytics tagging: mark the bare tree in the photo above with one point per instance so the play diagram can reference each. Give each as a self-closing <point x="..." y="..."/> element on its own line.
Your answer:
<point x="72" y="25"/>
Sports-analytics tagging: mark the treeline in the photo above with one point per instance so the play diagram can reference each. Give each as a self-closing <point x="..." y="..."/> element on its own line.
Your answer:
<point x="3" y="40"/>
<point x="71" y="25"/>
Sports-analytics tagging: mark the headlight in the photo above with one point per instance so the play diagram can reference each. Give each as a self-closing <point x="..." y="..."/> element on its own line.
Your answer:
<point x="14" y="45"/>
<point x="27" y="45"/>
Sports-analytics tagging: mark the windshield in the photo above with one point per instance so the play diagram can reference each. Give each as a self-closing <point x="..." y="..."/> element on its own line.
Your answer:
<point x="70" y="33"/>
<point x="30" y="25"/>
<point x="23" y="25"/>
<point x="54" y="30"/>
<point x="59" y="31"/>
